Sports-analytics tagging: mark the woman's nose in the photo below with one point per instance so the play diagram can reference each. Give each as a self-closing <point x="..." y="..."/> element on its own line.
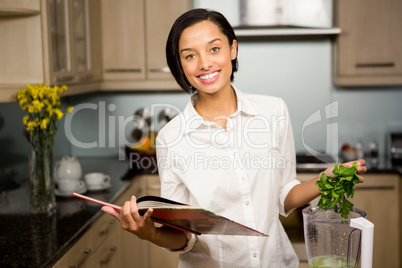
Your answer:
<point x="205" y="62"/>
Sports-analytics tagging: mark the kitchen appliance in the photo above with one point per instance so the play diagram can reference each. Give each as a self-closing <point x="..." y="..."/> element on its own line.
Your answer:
<point x="335" y="242"/>
<point x="285" y="13"/>
<point x="314" y="162"/>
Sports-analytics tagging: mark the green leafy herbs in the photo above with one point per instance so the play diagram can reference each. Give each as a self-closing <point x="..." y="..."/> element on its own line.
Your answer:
<point x="335" y="190"/>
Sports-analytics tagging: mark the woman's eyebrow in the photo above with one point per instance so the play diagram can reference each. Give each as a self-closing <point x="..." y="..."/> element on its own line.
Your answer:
<point x="210" y="42"/>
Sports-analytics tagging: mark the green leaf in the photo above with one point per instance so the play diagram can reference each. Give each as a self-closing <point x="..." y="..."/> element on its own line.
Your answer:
<point x="334" y="189"/>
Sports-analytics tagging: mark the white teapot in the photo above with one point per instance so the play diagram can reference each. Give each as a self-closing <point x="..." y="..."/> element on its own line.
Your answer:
<point x="68" y="168"/>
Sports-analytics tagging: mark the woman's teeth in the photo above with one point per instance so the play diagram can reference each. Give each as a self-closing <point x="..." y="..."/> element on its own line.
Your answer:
<point x="208" y="76"/>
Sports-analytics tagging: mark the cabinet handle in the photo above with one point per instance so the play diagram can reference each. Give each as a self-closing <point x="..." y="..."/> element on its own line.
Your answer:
<point x="375" y="65"/>
<point x="87" y="252"/>
<point x="112" y="251"/>
<point x="65" y="78"/>
<point x="86" y="77"/>
<point x="108" y="228"/>
<point x="160" y="70"/>
<point x="123" y="70"/>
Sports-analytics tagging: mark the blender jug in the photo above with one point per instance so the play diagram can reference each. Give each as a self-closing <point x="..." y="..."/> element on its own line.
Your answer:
<point x="335" y="242"/>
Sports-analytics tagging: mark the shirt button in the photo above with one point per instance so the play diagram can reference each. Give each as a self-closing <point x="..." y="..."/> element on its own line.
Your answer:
<point x="255" y="255"/>
<point x="247" y="203"/>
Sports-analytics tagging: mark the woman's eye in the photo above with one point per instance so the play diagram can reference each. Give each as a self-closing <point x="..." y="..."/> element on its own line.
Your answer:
<point x="189" y="57"/>
<point x="215" y="49"/>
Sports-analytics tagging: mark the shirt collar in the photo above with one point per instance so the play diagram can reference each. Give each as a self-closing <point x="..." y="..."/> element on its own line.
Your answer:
<point x="194" y="121"/>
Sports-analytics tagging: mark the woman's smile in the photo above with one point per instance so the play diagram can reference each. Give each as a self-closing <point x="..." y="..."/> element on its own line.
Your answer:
<point x="210" y="77"/>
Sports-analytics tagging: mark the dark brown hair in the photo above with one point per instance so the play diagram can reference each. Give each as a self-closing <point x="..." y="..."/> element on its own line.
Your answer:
<point x="186" y="20"/>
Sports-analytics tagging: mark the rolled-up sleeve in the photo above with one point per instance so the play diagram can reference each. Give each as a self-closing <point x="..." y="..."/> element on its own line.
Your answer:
<point x="191" y="240"/>
<point x="288" y="151"/>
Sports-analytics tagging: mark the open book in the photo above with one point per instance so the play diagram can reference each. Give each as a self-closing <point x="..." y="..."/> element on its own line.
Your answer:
<point x="184" y="217"/>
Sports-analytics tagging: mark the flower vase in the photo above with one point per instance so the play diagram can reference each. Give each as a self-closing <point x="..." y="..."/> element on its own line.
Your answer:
<point x="42" y="190"/>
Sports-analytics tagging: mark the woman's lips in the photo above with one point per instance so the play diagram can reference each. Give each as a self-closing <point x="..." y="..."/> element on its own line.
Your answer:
<point x="209" y="78"/>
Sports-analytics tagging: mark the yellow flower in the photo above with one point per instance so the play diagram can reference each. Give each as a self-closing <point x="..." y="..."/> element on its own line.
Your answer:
<point x="62" y="89"/>
<point x="36" y="106"/>
<point x="58" y="113"/>
<point x="69" y="109"/>
<point x="32" y="125"/>
<point x="23" y="100"/>
<point x="33" y="91"/>
<point x="53" y="96"/>
<point x="44" y="123"/>
<point x="42" y="103"/>
<point x="25" y="120"/>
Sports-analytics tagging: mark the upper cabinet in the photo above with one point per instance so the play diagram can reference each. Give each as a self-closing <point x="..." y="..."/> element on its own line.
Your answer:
<point x="73" y="41"/>
<point x="19" y="7"/>
<point x="134" y="34"/>
<point x="55" y="42"/>
<point x="368" y="51"/>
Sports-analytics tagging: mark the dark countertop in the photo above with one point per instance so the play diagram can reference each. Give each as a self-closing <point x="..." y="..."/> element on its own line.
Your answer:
<point x="39" y="241"/>
<point x="384" y="166"/>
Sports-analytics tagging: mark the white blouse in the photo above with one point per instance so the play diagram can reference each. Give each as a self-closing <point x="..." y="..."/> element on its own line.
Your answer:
<point x="243" y="173"/>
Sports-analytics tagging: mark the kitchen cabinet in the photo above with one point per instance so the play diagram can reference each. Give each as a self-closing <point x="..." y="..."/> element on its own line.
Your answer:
<point x="73" y="41"/>
<point x="106" y="256"/>
<point x="159" y="257"/>
<point x="380" y="196"/>
<point x="19" y="7"/>
<point x="134" y="34"/>
<point x="106" y="244"/>
<point x="98" y="247"/>
<point x="54" y="45"/>
<point x="133" y="251"/>
<point x="368" y="50"/>
<point x="80" y="255"/>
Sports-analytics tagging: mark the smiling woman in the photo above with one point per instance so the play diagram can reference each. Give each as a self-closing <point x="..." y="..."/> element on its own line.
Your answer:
<point x="229" y="152"/>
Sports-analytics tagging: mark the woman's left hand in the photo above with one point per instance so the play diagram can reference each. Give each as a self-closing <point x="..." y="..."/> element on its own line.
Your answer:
<point x="361" y="168"/>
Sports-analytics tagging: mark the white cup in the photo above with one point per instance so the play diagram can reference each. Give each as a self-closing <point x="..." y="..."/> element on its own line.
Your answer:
<point x="96" y="180"/>
<point x="70" y="186"/>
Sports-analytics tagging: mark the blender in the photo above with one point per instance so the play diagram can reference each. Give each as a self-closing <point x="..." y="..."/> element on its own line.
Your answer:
<point x="335" y="242"/>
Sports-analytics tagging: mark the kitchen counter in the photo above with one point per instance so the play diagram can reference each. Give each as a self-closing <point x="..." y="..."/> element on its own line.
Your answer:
<point x="39" y="241"/>
<point x="384" y="166"/>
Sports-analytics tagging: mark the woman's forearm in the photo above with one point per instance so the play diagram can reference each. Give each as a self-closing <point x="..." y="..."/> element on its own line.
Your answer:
<point x="302" y="194"/>
<point x="169" y="238"/>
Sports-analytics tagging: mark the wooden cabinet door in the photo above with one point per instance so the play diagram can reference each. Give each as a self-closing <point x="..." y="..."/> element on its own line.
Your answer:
<point x="368" y="49"/>
<point x="123" y="39"/>
<point x="379" y="197"/>
<point x="160" y="16"/>
<point x="81" y="254"/>
<point x="133" y="251"/>
<point x="8" y="7"/>
<point x="86" y="40"/>
<point x="106" y="256"/>
<point x="58" y="30"/>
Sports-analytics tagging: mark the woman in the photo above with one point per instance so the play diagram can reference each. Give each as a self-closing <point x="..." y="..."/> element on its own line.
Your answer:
<point x="229" y="152"/>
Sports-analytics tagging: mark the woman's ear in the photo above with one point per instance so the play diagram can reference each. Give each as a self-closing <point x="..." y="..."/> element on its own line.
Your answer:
<point x="233" y="50"/>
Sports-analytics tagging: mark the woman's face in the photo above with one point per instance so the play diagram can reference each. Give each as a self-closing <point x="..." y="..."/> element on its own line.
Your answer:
<point x="205" y="56"/>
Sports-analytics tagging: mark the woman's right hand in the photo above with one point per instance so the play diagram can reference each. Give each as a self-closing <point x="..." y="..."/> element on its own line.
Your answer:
<point x="131" y="220"/>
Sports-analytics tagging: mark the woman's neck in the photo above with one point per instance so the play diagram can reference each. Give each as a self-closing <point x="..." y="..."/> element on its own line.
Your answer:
<point x="217" y="107"/>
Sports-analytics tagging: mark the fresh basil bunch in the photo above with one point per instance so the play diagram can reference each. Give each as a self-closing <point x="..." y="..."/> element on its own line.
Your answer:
<point x="335" y="190"/>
